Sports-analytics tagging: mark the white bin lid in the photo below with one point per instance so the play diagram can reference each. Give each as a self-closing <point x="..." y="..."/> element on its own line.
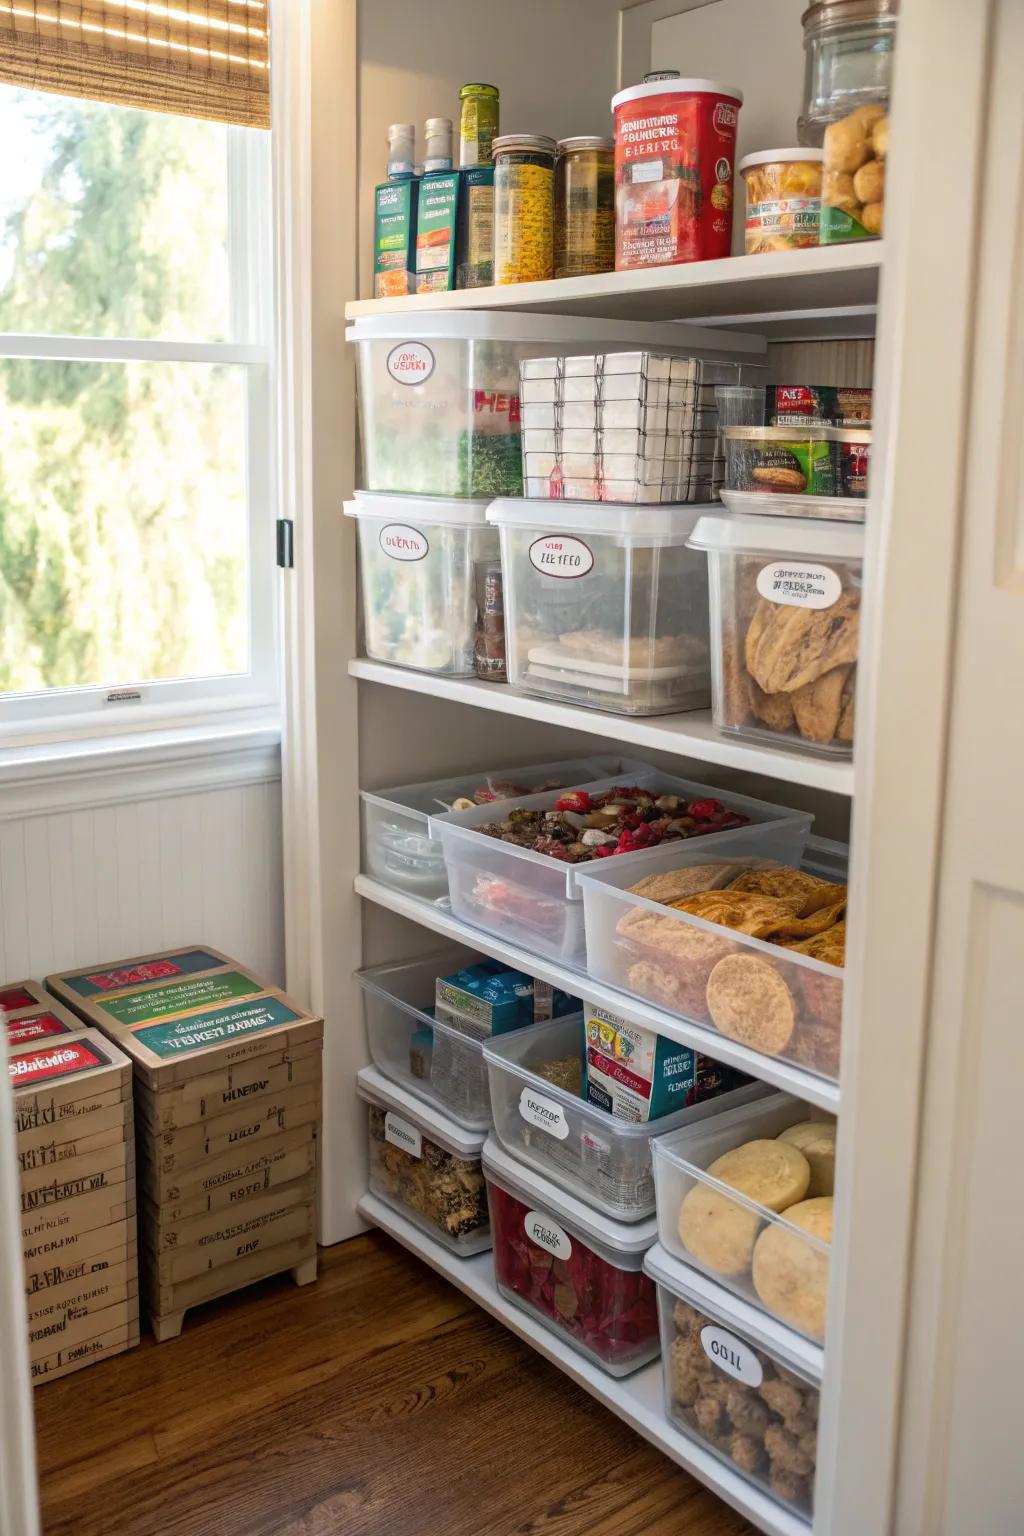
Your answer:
<point x="810" y="536"/>
<point x="581" y="332"/>
<point x="375" y="1088"/>
<point x="626" y="1237"/>
<point x="733" y="1312"/>
<point x="393" y="508"/>
<point x="617" y="518"/>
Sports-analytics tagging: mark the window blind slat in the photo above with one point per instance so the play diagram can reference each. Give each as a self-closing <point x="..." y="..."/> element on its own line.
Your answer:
<point x="203" y="58"/>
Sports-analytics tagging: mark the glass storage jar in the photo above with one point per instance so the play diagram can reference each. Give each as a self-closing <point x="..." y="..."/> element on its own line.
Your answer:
<point x="524" y="208"/>
<point x="848" y="54"/>
<point x="584" y="206"/>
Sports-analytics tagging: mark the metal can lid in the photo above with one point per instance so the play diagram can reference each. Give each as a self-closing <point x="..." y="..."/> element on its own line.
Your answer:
<point x="661" y="74"/>
<point x="476" y="88"/>
<point x="779" y="157"/>
<point x="585" y="141"/>
<point x="538" y="142"/>
<point x="832" y="13"/>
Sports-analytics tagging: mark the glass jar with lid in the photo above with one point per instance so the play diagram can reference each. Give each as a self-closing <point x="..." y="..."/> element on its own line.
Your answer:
<point x="584" y="206"/>
<point x="524" y="207"/>
<point x="849" y="47"/>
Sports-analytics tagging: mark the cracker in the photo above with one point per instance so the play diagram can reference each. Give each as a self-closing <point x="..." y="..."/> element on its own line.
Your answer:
<point x="717" y="1232"/>
<point x="771" y="1172"/>
<point x="816" y="1139"/>
<point x="790" y="1275"/>
<point x="748" y="1001"/>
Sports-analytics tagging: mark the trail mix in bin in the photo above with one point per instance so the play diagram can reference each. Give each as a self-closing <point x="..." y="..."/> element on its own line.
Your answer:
<point x="582" y="827"/>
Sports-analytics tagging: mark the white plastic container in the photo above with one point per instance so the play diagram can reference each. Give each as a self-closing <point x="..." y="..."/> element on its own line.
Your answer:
<point x="714" y="1227"/>
<point x="535" y="901"/>
<point x="604" y="604"/>
<point x="579" y="1273"/>
<point x="425" y="1166"/>
<point x="416" y="558"/>
<point x="785" y="614"/>
<point x="668" y="957"/>
<point x="439" y="394"/>
<point x="602" y="1160"/>
<point x="397" y="846"/>
<point x="745" y="1389"/>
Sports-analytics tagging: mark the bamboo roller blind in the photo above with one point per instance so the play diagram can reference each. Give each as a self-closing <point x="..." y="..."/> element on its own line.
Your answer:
<point x="202" y="58"/>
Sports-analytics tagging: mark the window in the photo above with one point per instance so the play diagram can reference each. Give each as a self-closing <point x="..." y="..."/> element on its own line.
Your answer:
<point x="136" y="549"/>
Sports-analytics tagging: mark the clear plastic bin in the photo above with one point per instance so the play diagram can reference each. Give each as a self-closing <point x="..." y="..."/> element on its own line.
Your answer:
<point x="425" y="1166"/>
<point x="782" y="1003"/>
<point x="604" y="605"/>
<point x="577" y="1272"/>
<point x="416" y="559"/>
<point x="600" y="1159"/>
<point x="785" y="620"/>
<point x="439" y="395"/>
<point x="752" y="1249"/>
<point x="397" y="846"/>
<point x="745" y="1390"/>
<point x="800" y="470"/>
<point x="535" y="901"/>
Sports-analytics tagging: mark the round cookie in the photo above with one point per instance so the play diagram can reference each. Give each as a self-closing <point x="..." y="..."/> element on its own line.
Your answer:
<point x="816" y="1139"/>
<point x="749" y="1001"/>
<point x="790" y="1276"/>
<point x="718" y="1232"/>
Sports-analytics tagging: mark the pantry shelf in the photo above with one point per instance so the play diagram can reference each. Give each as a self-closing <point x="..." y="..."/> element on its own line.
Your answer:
<point x="812" y="286"/>
<point x="687" y="735"/>
<point x="636" y="1399"/>
<point x="780" y="1074"/>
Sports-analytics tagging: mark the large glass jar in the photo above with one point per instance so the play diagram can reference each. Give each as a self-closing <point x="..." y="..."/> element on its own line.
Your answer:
<point x="848" y="55"/>
<point x="524" y="208"/>
<point x="585" y="207"/>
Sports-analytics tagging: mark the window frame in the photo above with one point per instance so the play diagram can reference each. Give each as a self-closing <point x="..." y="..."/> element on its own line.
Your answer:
<point x="68" y="714"/>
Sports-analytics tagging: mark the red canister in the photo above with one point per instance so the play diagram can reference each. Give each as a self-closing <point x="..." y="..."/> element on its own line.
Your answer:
<point x="675" y="148"/>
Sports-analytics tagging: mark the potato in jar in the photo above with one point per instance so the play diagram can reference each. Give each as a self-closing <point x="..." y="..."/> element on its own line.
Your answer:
<point x="783" y="199"/>
<point x="853" y="185"/>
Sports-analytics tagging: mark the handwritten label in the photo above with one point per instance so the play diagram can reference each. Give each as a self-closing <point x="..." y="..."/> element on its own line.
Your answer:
<point x="734" y="1357"/>
<point x="543" y="1112"/>
<point x="400" y="542"/>
<point x="410" y="362"/>
<point x="401" y="1134"/>
<point x="560" y="555"/>
<point x="799" y="586"/>
<point x="540" y="1229"/>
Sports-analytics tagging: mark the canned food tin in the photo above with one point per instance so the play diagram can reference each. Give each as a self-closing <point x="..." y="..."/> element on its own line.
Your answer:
<point x="524" y="208"/>
<point x="584" y="206"/>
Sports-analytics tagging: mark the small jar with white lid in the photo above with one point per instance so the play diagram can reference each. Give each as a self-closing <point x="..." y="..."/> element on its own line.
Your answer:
<point x="783" y="188"/>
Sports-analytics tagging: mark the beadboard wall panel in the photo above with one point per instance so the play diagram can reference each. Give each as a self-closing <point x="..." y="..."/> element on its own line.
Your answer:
<point x="109" y="881"/>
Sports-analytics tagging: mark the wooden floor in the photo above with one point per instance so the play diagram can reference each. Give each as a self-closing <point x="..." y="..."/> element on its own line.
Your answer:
<point x="378" y="1402"/>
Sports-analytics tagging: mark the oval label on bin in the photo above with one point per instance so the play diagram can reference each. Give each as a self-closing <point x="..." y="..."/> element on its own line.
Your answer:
<point x="799" y="586"/>
<point x="401" y="1134"/>
<point x="735" y="1358"/>
<point x="411" y="362"/>
<point x="543" y="1112"/>
<point x="540" y="1229"/>
<point x="559" y="554"/>
<point x="400" y="542"/>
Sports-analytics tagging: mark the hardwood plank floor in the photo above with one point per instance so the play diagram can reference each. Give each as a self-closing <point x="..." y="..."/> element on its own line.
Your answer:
<point x="379" y="1400"/>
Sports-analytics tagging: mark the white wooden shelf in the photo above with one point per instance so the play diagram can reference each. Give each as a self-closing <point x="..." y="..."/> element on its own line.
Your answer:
<point x="687" y="735"/>
<point x="781" y="1074"/>
<point x="816" y="286"/>
<point x="636" y="1399"/>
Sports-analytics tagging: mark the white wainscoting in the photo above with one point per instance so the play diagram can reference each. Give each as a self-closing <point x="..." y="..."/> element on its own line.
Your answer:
<point x="148" y="870"/>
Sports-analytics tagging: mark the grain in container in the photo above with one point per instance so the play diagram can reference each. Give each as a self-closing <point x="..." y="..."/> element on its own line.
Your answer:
<point x="783" y="195"/>
<point x="604" y="604"/>
<point x="439" y="407"/>
<point x="584" y="206"/>
<point x="416" y="560"/>
<point x="524" y="208"/>
<point x="425" y="1166"/>
<point x="532" y="897"/>
<point x="543" y="1117"/>
<point x="740" y="1386"/>
<point x="746" y="1197"/>
<point x="785" y="622"/>
<point x="673" y="934"/>
<point x="675" y="147"/>
<point x="577" y="1272"/>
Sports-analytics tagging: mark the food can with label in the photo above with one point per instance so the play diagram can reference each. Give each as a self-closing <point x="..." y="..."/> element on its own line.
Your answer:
<point x="783" y="189"/>
<point x="478" y="123"/>
<point x="524" y="208"/>
<point x="675" y="148"/>
<point x="584" y="206"/>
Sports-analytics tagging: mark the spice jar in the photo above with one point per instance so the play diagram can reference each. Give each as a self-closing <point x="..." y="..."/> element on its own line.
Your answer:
<point x="524" y="208"/>
<point x="584" y="206"/>
<point x="848" y="57"/>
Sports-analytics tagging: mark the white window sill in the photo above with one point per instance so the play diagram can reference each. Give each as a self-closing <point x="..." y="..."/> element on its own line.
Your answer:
<point x="104" y="770"/>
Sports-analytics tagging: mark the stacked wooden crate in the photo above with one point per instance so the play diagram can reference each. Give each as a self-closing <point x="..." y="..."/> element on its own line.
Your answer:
<point x="228" y="1103"/>
<point x="76" y="1154"/>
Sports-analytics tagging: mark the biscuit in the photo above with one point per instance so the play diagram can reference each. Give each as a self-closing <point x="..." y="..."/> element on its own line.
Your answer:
<point x="674" y="884"/>
<point x="844" y="729"/>
<point x="775" y="710"/>
<point x="748" y="1001"/>
<point x="817" y="706"/>
<point x="781" y="880"/>
<point x="790" y="1275"/>
<point x="774" y="1174"/>
<point x="742" y="911"/>
<point x="828" y="946"/>
<point x="816" y="1139"/>
<point x="665" y="987"/>
<point x="716" y="1232"/>
<point x="799" y="645"/>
